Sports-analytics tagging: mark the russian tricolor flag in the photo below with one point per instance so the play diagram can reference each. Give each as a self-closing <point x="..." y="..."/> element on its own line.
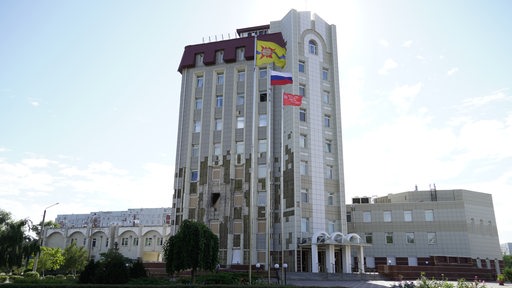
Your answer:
<point x="280" y="78"/>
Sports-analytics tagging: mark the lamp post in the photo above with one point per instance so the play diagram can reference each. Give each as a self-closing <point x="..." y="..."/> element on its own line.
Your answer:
<point x="285" y="265"/>
<point x="41" y="236"/>
<point x="276" y="266"/>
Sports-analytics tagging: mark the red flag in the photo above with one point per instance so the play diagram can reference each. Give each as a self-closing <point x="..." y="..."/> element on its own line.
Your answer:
<point x="291" y="99"/>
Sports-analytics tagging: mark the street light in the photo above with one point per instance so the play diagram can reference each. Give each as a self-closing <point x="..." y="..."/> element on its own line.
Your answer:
<point x="276" y="266"/>
<point x="41" y="236"/>
<point x="285" y="265"/>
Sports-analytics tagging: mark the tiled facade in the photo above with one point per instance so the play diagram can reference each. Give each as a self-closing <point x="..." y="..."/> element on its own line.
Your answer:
<point x="237" y="147"/>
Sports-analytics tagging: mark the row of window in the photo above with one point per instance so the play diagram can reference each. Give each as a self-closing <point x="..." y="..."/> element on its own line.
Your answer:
<point x="148" y="241"/>
<point x="303" y="143"/>
<point x="410" y="238"/>
<point x="386" y="216"/>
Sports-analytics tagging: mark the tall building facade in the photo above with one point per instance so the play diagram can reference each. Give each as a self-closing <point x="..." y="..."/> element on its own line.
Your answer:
<point x="266" y="179"/>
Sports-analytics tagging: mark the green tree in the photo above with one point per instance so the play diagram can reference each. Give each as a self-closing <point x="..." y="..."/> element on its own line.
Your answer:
<point x="194" y="247"/>
<point x="15" y="243"/>
<point x="112" y="268"/>
<point x="75" y="258"/>
<point x="507" y="261"/>
<point x="50" y="259"/>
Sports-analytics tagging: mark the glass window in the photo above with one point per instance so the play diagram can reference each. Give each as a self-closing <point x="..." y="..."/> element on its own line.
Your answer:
<point x="262" y="171"/>
<point x="325" y="74"/>
<point x="199" y="81"/>
<point x="263" y="97"/>
<point x="326" y="97"/>
<point x="409" y="237"/>
<point x="148" y="241"/>
<point x="217" y="149"/>
<point x="240" y="147"/>
<point x="124" y="241"/>
<point x="240" y="122"/>
<point x="367" y="216"/>
<point x="407" y="215"/>
<point x="327" y="121"/>
<point x="313" y="47"/>
<point x="136" y="241"/>
<point x="368" y="237"/>
<point x="304" y="195"/>
<point x="240" y="99"/>
<point x="218" y="124"/>
<point x="429" y="215"/>
<point x="262" y="198"/>
<point x="93" y="242"/>
<point x="262" y="145"/>
<point x="304" y="225"/>
<point x="194" y="176"/>
<point x="303" y="168"/>
<point x="219" y="101"/>
<point x="328" y="146"/>
<point x="263" y="120"/>
<point x="330" y="227"/>
<point x="389" y="237"/>
<point x="302" y="90"/>
<point x="241" y="54"/>
<point x="241" y="76"/>
<point x="387" y="216"/>
<point x="330" y="198"/>
<point x="199" y="104"/>
<point x="302" y="66"/>
<point x="302" y="141"/>
<point x="220" y="79"/>
<point x="431" y="238"/>
<point x="263" y="73"/>
<point x="197" y="126"/>
<point x="302" y="115"/>
<point x="195" y="150"/>
<point x="329" y="172"/>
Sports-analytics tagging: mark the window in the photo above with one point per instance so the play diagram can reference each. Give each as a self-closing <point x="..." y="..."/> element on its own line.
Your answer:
<point x="148" y="241"/>
<point x="303" y="168"/>
<point x="220" y="79"/>
<point x="194" y="176"/>
<point x="326" y="97"/>
<point x="302" y="115"/>
<point x="429" y="215"/>
<point x="240" y="99"/>
<point x="263" y="120"/>
<point x="93" y="242"/>
<point x="263" y="73"/>
<point x="325" y="74"/>
<point x="302" y="90"/>
<point x="197" y="126"/>
<point x="241" y="76"/>
<point x="220" y="56"/>
<point x="199" y="81"/>
<point x="160" y="241"/>
<point x="328" y="146"/>
<point x="327" y="121"/>
<point x="330" y="198"/>
<point x="217" y="149"/>
<point x="124" y="241"/>
<point x="313" y="47"/>
<point x="262" y="145"/>
<point x="240" y="122"/>
<point x="263" y="97"/>
<point x="329" y="172"/>
<point x="218" y="101"/>
<point x="407" y="215"/>
<point x="304" y="225"/>
<point x="302" y="141"/>
<point x="367" y="216"/>
<point x="199" y="104"/>
<point x="368" y="237"/>
<point x="241" y="54"/>
<point x="431" y="238"/>
<point x="195" y="150"/>
<point x="218" y="124"/>
<point x="262" y="171"/>
<point x="262" y="198"/>
<point x="409" y="237"/>
<point x="304" y="195"/>
<point x="302" y="66"/>
<point x="330" y="227"/>
<point x="389" y="237"/>
<point x="387" y="216"/>
<point x="136" y="241"/>
<point x="240" y="147"/>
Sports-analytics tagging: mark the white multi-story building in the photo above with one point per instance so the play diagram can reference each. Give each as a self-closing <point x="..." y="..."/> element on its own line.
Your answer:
<point x="267" y="179"/>
<point x="137" y="233"/>
<point x="425" y="228"/>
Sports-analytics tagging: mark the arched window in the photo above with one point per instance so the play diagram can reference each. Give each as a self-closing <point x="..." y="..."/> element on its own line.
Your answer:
<point x="313" y="47"/>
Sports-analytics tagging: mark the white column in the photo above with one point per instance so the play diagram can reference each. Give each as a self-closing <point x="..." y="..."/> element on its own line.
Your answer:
<point x="314" y="258"/>
<point x="347" y="259"/>
<point x="361" y="259"/>
<point x="329" y="258"/>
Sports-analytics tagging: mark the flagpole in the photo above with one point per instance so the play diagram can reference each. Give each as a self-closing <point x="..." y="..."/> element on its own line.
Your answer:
<point x="281" y="180"/>
<point x="269" y="172"/>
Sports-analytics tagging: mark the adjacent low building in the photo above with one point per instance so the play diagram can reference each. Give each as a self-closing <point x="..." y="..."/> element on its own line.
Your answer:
<point x="137" y="233"/>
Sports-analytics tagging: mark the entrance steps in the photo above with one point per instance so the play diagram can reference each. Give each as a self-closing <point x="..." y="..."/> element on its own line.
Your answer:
<point x="322" y="276"/>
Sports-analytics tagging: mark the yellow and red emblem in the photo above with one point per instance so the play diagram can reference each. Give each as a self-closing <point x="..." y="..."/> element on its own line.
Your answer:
<point x="270" y="52"/>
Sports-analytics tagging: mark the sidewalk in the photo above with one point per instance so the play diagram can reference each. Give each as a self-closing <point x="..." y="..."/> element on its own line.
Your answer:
<point x="369" y="284"/>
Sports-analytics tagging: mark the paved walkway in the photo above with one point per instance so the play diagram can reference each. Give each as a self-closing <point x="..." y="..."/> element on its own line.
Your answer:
<point x="368" y="284"/>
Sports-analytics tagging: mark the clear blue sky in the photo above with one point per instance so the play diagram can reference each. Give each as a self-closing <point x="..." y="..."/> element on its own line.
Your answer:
<point x="89" y="93"/>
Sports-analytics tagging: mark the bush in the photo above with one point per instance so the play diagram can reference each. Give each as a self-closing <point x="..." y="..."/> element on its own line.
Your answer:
<point x="508" y="274"/>
<point x="3" y="278"/>
<point x="31" y="275"/>
<point x="87" y="276"/>
<point x="60" y="276"/>
<point x="219" y="278"/>
<point x="138" y="271"/>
